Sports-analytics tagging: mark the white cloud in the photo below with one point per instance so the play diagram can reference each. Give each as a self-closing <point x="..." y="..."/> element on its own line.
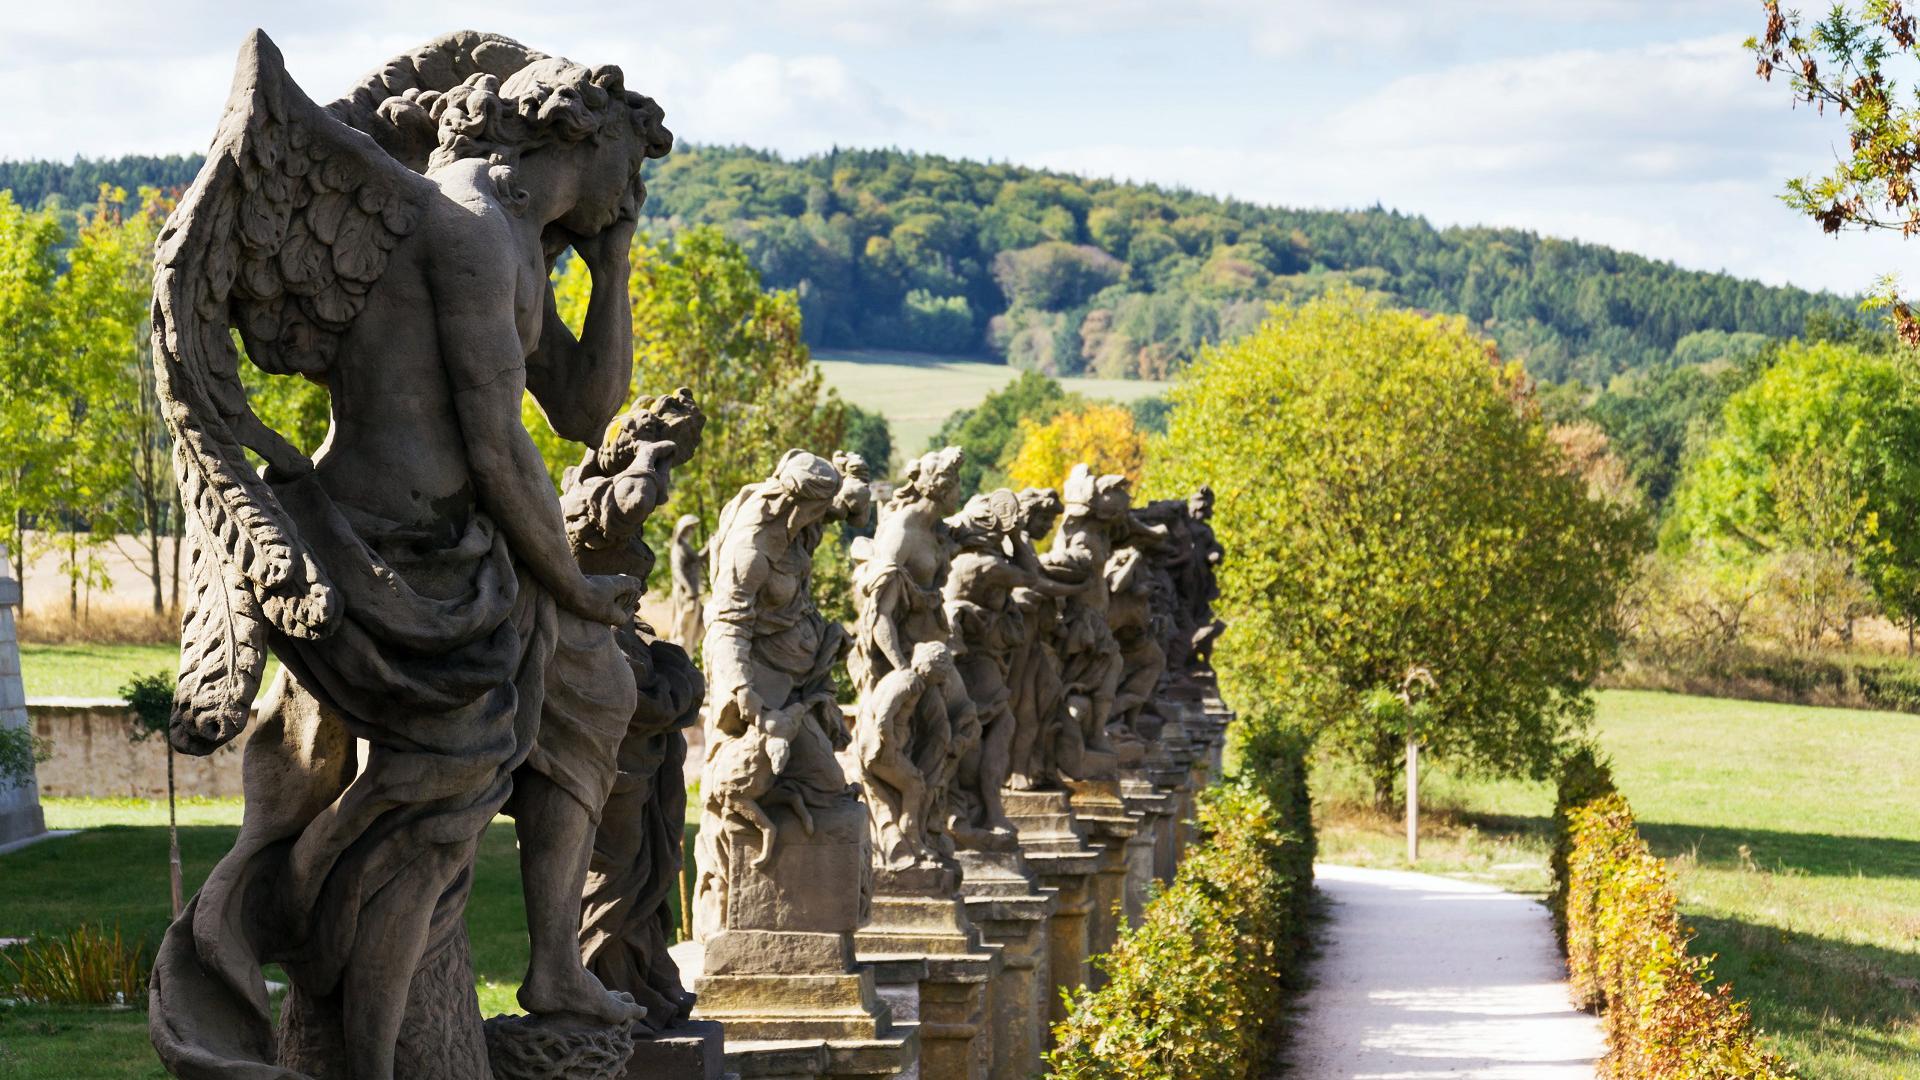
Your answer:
<point x="1672" y="150"/>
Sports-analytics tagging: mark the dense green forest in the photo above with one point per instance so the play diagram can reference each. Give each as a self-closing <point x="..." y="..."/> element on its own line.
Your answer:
<point x="77" y="183"/>
<point x="1065" y="275"/>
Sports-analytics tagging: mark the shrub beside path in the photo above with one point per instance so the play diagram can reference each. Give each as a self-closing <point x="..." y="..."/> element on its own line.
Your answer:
<point x="1422" y="976"/>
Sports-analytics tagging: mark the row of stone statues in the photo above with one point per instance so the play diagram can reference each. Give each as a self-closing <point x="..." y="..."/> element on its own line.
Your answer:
<point x="458" y="642"/>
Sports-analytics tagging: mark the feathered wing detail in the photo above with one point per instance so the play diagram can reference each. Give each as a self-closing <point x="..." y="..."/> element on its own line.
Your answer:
<point x="284" y="231"/>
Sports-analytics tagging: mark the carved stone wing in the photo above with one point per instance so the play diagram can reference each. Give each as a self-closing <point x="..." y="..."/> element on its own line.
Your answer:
<point x="282" y="234"/>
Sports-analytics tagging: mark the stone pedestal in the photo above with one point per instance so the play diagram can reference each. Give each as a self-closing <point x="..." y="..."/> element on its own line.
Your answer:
<point x="692" y="1051"/>
<point x="918" y="917"/>
<point x="20" y="816"/>
<point x="1109" y="827"/>
<point x="781" y="975"/>
<point x="1012" y="909"/>
<point x="1154" y="841"/>
<point x="1057" y="852"/>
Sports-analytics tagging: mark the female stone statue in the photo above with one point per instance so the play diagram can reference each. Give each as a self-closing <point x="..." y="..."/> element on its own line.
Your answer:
<point x="992" y="560"/>
<point x="769" y="657"/>
<point x="689" y="584"/>
<point x="1033" y="673"/>
<point x="897" y="580"/>
<point x="1096" y="506"/>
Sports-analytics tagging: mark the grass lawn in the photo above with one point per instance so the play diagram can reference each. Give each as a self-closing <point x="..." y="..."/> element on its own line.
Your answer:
<point x="116" y="872"/>
<point x="1795" y="834"/>
<point x="96" y="671"/>
<point x="915" y="392"/>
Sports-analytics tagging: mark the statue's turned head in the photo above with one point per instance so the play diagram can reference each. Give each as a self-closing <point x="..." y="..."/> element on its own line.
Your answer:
<point x="1039" y="509"/>
<point x="1104" y="498"/>
<point x="987" y="519"/>
<point x="933" y="660"/>
<point x="670" y="418"/>
<point x="853" y="503"/>
<point x="933" y="476"/>
<point x="683" y="529"/>
<point x="552" y="112"/>
<point x="1200" y="503"/>
<point x="803" y="486"/>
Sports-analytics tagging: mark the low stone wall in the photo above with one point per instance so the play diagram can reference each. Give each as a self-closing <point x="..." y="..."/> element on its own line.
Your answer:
<point x="95" y="755"/>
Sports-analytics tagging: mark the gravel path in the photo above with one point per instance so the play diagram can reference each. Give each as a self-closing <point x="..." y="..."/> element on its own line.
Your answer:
<point x="1423" y="977"/>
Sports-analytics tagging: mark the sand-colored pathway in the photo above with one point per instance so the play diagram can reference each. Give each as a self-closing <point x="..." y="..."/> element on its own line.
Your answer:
<point x="1422" y="977"/>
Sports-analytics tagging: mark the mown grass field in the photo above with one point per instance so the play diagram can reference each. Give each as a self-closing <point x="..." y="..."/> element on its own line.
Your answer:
<point x="81" y="670"/>
<point x="116" y="873"/>
<point x="916" y="392"/>
<point x="1795" y="836"/>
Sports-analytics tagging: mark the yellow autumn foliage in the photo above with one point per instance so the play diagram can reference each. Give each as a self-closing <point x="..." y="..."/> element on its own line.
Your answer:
<point x="1101" y="435"/>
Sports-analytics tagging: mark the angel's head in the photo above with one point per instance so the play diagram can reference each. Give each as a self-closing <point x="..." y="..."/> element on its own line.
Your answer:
<point x="578" y="127"/>
<point x="670" y="418"/>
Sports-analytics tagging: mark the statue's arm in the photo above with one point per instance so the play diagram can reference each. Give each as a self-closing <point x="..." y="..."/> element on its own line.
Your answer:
<point x="473" y="305"/>
<point x="581" y="383"/>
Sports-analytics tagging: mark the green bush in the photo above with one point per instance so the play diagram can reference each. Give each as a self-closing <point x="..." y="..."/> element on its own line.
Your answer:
<point x="1193" y="992"/>
<point x="1627" y="951"/>
<point x="1584" y="777"/>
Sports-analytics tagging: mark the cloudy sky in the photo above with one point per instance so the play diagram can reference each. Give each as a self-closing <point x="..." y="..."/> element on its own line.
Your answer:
<point x="1637" y="123"/>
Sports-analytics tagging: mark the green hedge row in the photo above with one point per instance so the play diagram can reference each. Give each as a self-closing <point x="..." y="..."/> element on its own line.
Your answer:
<point x="1619" y="922"/>
<point x="1194" y="991"/>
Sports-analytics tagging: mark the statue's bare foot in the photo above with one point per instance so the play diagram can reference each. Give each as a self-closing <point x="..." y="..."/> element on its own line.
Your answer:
<point x="1021" y="782"/>
<point x="573" y="991"/>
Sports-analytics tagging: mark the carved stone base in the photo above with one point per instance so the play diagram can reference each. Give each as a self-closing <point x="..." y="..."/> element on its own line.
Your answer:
<point x="787" y="1014"/>
<point x="1110" y="828"/>
<point x="955" y="983"/>
<point x="694" y="1050"/>
<point x="1056" y="850"/>
<point x="1150" y="854"/>
<point x="537" y="1048"/>
<point x="1006" y="901"/>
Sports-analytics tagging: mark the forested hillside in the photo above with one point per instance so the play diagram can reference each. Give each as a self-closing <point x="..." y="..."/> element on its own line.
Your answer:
<point x="77" y="183"/>
<point x="1068" y="275"/>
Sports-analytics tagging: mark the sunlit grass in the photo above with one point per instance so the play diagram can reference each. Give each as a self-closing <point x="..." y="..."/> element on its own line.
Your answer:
<point x="1795" y="832"/>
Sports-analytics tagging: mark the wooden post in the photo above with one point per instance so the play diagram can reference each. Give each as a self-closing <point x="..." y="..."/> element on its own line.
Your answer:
<point x="1413" y="799"/>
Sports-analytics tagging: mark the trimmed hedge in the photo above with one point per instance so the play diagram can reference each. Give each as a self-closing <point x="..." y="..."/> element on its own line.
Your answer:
<point x="1619" y="922"/>
<point x="1194" y="992"/>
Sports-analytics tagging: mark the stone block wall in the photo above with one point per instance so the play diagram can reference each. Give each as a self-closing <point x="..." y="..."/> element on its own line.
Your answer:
<point x="96" y="756"/>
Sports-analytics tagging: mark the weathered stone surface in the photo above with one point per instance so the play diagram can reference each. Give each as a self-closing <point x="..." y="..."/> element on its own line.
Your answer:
<point x="772" y="722"/>
<point x="785" y="848"/>
<point x="694" y="1050"/>
<point x="1058" y="853"/>
<point x="20" y="816"/>
<point x="1006" y="902"/>
<point x="444" y="654"/>
<point x="916" y="721"/>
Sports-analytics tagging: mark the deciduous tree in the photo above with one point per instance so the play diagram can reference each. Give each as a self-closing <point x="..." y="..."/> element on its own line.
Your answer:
<point x="1390" y="502"/>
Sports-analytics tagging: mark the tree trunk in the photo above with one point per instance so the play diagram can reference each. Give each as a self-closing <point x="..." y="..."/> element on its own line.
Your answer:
<point x="179" y="541"/>
<point x="1413" y="800"/>
<point x="153" y="557"/>
<point x="173" y="839"/>
<point x="1382" y="765"/>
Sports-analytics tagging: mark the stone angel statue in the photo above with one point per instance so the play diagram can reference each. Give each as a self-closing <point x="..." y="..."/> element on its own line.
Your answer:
<point x="414" y="575"/>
